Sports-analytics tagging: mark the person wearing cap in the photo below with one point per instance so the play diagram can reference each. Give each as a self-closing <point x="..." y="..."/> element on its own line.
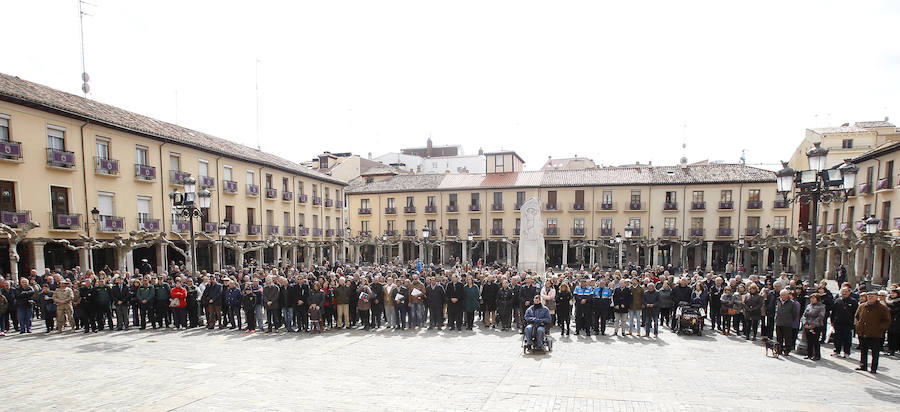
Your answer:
<point x="87" y="306"/>
<point x="212" y="300"/>
<point x="144" y="295"/>
<point x="63" y="297"/>
<point x="162" y="294"/>
<point x="842" y="312"/>
<point x="121" y="299"/>
<point x="872" y="319"/>
<point x="103" y="304"/>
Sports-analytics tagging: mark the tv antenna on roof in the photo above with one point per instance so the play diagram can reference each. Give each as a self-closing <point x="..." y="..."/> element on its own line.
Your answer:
<point x="85" y="78"/>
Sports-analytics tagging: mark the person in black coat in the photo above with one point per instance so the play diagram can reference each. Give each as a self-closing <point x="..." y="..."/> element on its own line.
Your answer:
<point x="377" y="311"/>
<point x="88" y="321"/>
<point x="506" y="300"/>
<point x="121" y="299"/>
<point x="843" y="311"/>
<point x="455" y="297"/>
<point x="48" y="306"/>
<point x="621" y="302"/>
<point x="435" y="297"/>
<point x="489" y="292"/>
<point x="301" y="313"/>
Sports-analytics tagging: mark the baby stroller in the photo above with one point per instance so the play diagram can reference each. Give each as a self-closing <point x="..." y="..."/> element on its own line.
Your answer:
<point x="547" y="343"/>
<point x="688" y="319"/>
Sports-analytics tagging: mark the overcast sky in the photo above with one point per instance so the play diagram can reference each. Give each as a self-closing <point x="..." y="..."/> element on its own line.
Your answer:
<point x="618" y="83"/>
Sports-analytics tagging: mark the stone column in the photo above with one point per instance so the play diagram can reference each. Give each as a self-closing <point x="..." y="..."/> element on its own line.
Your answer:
<point x="509" y="248"/>
<point x="83" y="259"/>
<point x="797" y="264"/>
<point x="654" y="259"/>
<point x="593" y="255"/>
<point x="37" y="256"/>
<point x="876" y="265"/>
<point x="276" y="256"/>
<point x="356" y="253"/>
<point x="487" y="249"/>
<point x="709" y="250"/>
<point x="443" y="259"/>
<point x="400" y="251"/>
<point x="565" y="253"/>
<point x="465" y="251"/>
<point x="421" y="252"/>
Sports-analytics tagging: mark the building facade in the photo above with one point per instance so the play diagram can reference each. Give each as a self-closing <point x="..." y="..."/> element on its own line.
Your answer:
<point x="686" y="215"/>
<point x="62" y="156"/>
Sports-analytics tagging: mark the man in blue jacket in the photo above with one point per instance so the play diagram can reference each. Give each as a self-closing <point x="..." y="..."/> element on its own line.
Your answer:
<point x="537" y="317"/>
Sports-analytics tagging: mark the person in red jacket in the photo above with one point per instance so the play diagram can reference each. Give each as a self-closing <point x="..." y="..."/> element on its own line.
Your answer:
<point x="178" y="303"/>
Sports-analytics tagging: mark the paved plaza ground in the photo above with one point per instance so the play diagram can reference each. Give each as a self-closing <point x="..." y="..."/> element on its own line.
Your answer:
<point x="424" y="370"/>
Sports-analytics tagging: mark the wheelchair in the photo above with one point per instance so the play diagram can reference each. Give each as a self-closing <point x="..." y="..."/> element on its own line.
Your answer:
<point x="547" y="343"/>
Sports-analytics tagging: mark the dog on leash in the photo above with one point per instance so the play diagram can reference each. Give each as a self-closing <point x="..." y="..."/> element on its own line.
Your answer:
<point x="772" y="346"/>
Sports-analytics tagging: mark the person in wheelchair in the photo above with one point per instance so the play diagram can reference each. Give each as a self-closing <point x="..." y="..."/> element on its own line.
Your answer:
<point x="537" y="317"/>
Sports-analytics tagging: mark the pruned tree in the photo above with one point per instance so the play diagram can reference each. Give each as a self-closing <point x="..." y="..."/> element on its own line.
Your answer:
<point x="135" y="239"/>
<point x="15" y="235"/>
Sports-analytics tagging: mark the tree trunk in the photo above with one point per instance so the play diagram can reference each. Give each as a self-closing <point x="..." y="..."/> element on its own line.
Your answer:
<point x="851" y="266"/>
<point x="776" y="263"/>
<point x="13" y="261"/>
<point x="895" y="265"/>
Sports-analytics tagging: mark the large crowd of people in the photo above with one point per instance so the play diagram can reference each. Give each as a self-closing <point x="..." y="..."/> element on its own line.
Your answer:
<point x="332" y="296"/>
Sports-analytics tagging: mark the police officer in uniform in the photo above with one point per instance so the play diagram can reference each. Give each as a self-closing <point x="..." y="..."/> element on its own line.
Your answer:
<point x="584" y="293"/>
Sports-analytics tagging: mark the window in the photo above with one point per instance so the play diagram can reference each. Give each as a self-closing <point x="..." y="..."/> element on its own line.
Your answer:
<point x="390" y="202"/>
<point x="696" y="223"/>
<point x="824" y="217"/>
<point x="753" y="195"/>
<point x="579" y="197"/>
<point x="475" y="199"/>
<point x="552" y="223"/>
<point x="328" y="223"/>
<point x="227" y="173"/>
<point x="551" y="198"/>
<point x="301" y="219"/>
<point x="270" y="217"/>
<point x="251" y="216"/>
<point x="102" y="149"/>
<point x="870" y="172"/>
<point x="607" y="197"/>
<point x="430" y="201"/>
<point x="229" y="214"/>
<point x="203" y="168"/>
<point x="4" y="128"/>
<point x="837" y="220"/>
<point x="579" y="223"/>
<point x="285" y="185"/>
<point x="867" y="211"/>
<point x="847" y="144"/>
<point x="56" y="138"/>
<point x="724" y="222"/>
<point x="850" y="213"/>
<point x="497" y="225"/>
<point x="475" y="225"/>
<point x="251" y="177"/>
<point x="671" y="197"/>
<point x="7" y="196"/>
<point x="411" y="226"/>
<point x="697" y="196"/>
<point x="337" y="223"/>
<point x="606" y="223"/>
<point x="635" y="196"/>
<point x="432" y="225"/>
<point x="669" y="223"/>
<point x="268" y="181"/>
<point x="780" y="222"/>
<point x="886" y="212"/>
<point x="326" y="192"/>
<point x="59" y="200"/>
<point x="364" y="226"/>
<point x="390" y="225"/>
<point x="725" y="196"/>
<point x="315" y="190"/>
<point x="498" y="162"/>
<point x="520" y="198"/>
<point x="634" y="222"/>
<point x="453" y="224"/>
<point x="323" y="162"/>
<point x="518" y="224"/>
<point x="498" y="198"/>
<point x="300" y="187"/>
<point x="889" y="174"/>
<point x="315" y="221"/>
<point x="363" y="203"/>
<point x="753" y="222"/>
<point x="452" y="199"/>
<point x="141" y="155"/>
<point x="287" y="219"/>
<point x="410" y="201"/>
<point x="143" y="208"/>
<point x="174" y="162"/>
<point x="105" y="205"/>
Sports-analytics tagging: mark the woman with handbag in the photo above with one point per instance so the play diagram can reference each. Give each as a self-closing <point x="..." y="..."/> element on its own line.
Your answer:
<point x="178" y="304"/>
<point x="728" y="311"/>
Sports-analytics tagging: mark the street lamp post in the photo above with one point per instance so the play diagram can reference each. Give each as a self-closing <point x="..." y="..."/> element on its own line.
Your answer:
<point x="223" y="230"/>
<point x="871" y="230"/>
<point x="619" y="241"/>
<point x="816" y="185"/>
<point x="189" y="205"/>
<point x="426" y="233"/>
<point x="95" y="217"/>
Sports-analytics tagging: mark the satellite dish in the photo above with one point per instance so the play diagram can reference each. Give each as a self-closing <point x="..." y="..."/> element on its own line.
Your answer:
<point x="85" y="87"/>
<point x="85" y="78"/>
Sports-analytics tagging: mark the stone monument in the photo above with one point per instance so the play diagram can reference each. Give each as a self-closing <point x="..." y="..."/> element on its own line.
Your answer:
<point x="531" y="238"/>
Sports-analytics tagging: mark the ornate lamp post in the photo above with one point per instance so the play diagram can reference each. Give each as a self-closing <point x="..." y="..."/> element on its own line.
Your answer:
<point x="619" y="241"/>
<point x="871" y="230"/>
<point x="814" y="186"/>
<point x="426" y="233"/>
<point x="189" y="205"/>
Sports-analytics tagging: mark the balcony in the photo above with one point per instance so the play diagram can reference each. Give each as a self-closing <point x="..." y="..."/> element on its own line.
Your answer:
<point x="304" y="231"/>
<point x="452" y="208"/>
<point x="109" y="167"/>
<point x="578" y="207"/>
<point x="606" y="231"/>
<point x="178" y="178"/>
<point x="144" y="172"/>
<point x="635" y="232"/>
<point x="252" y="190"/>
<point x="14" y="219"/>
<point x="409" y="209"/>
<point x="149" y="225"/>
<point x="724" y="232"/>
<point x="271" y="193"/>
<point x="780" y="204"/>
<point x="698" y="205"/>
<point x="697" y="232"/>
<point x="865" y="189"/>
<point x="233" y="229"/>
<point x="516" y="231"/>
<point x="112" y="224"/>
<point x="317" y="232"/>
<point x="636" y="206"/>
<point x="751" y="231"/>
<point x="475" y="231"/>
<point x="365" y="211"/>
<point x="181" y="226"/>
<point x="390" y="210"/>
<point x="844" y="226"/>
<point x="819" y="229"/>
<point x="453" y="232"/>
<point x="254" y="230"/>
<point x="551" y="231"/>
<point x="390" y="233"/>
<point x="339" y="204"/>
<point x="606" y="207"/>
<point x="726" y="205"/>
<point x="287" y="196"/>
<point x="60" y="158"/>
<point x="550" y="207"/>
<point x="66" y="221"/>
<point x="780" y="231"/>
<point x="670" y="206"/>
<point x="497" y="207"/>
<point x="578" y="231"/>
<point x="754" y="204"/>
<point x="861" y="225"/>
<point x="329" y="203"/>
<point x="229" y="186"/>
<point x="365" y="233"/>
<point x="10" y="150"/>
<point x="430" y="209"/>
<point x="475" y="208"/>
<point x="409" y="233"/>
<point x="340" y="232"/>
<point x="317" y="201"/>
<point x="206" y="181"/>
<point x="884" y="184"/>
<point x="210" y="227"/>
<point x="289" y="230"/>
<point x="496" y="231"/>
<point x="302" y="198"/>
<point x="330" y="232"/>
<point x="829" y="228"/>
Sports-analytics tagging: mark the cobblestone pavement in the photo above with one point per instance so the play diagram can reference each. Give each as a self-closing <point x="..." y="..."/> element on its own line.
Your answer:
<point x="424" y="370"/>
